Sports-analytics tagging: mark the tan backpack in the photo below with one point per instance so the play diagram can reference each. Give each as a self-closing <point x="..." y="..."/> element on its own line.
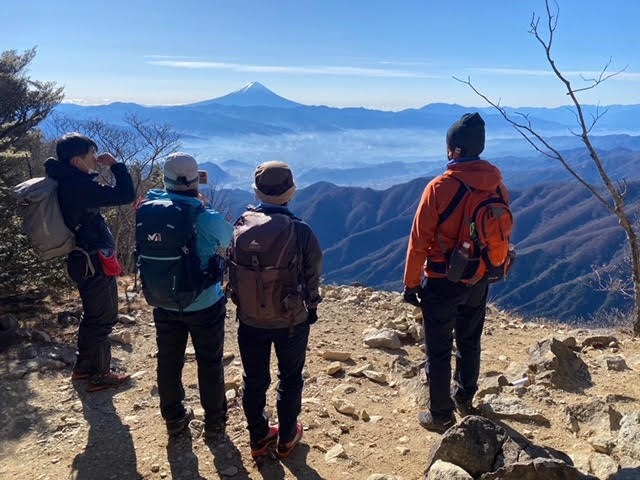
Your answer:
<point x="264" y="267"/>
<point x="42" y="219"/>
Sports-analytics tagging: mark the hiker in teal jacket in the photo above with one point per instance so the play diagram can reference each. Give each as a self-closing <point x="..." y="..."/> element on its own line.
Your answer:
<point x="203" y="319"/>
<point x="214" y="233"/>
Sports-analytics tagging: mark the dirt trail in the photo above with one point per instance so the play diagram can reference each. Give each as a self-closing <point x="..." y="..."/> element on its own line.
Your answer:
<point x="51" y="429"/>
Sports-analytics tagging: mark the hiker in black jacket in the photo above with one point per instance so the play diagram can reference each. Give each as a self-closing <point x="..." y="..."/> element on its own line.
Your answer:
<point x="274" y="275"/>
<point x="93" y="265"/>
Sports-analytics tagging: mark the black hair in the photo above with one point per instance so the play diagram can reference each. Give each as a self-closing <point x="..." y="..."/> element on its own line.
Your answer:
<point x="73" y="144"/>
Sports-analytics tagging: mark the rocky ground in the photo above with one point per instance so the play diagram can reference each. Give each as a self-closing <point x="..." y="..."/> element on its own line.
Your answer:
<point x="364" y="388"/>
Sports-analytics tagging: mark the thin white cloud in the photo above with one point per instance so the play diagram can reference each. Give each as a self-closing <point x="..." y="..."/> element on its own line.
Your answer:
<point x="170" y="57"/>
<point x="288" y="69"/>
<point x="629" y="76"/>
<point x="405" y="63"/>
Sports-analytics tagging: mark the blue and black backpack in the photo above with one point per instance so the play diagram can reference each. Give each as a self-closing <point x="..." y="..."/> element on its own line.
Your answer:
<point x="167" y="257"/>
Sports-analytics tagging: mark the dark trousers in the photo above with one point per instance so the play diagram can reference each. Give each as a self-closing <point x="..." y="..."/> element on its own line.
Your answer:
<point x="99" y="295"/>
<point x="207" y="335"/>
<point x="255" y="351"/>
<point x="448" y="307"/>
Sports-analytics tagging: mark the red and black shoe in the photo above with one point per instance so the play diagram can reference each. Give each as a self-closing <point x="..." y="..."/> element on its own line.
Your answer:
<point x="107" y="380"/>
<point x="80" y="374"/>
<point x="285" y="448"/>
<point x="263" y="446"/>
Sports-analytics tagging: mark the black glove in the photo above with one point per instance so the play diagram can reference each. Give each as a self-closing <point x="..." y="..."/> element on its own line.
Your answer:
<point x="410" y="295"/>
<point x="313" y="316"/>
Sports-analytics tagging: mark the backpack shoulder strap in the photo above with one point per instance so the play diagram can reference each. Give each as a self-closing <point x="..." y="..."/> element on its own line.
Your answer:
<point x="455" y="201"/>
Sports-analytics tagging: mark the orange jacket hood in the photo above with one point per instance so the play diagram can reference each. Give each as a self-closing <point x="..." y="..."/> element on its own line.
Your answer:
<point x="478" y="174"/>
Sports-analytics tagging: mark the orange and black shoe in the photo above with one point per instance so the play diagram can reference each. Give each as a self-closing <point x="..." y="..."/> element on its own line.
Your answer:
<point x="263" y="446"/>
<point x="284" y="449"/>
<point x="107" y="380"/>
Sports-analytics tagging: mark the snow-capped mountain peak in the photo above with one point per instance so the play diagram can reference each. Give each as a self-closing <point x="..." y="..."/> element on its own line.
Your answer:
<point x="253" y="94"/>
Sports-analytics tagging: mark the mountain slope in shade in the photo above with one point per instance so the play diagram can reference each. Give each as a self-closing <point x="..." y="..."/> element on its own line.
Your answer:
<point x="253" y="94"/>
<point x="561" y="232"/>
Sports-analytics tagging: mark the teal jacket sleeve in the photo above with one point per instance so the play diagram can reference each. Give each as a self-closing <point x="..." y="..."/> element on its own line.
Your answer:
<point x="214" y="234"/>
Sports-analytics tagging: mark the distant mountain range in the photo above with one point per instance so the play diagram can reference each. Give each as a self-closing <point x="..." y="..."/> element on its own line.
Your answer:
<point x="254" y="109"/>
<point x="561" y="233"/>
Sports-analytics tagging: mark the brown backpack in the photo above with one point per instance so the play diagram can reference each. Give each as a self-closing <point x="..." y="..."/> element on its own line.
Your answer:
<point x="264" y="267"/>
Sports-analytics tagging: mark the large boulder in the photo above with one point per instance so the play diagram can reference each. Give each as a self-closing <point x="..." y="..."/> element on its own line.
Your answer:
<point x="629" y="435"/>
<point x="473" y="445"/>
<point x="537" y="469"/>
<point x="480" y="447"/>
<point x="553" y="360"/>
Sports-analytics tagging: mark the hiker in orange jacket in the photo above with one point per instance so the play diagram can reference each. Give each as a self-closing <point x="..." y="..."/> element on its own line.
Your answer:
<point x="449" y="306"/>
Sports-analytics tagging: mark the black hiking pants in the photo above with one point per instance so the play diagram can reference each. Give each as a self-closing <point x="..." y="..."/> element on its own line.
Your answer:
<point x="452" y="308"/>
<point x="206" y="328"/>
<point x="99" y="295"/>
<point x="255" y="351"/>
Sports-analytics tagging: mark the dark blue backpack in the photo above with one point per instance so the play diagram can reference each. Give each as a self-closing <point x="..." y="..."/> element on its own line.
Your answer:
<point x="167" y="257"/>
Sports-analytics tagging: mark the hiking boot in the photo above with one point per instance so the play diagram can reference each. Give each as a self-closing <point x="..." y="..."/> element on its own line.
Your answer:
<point x="464" y="407"/>
<point x="264" y="445"/>
<point x="107" y="380"/>
<point x="285" y="449"/>
<point x="174" y="427"/>
<point x="434" y="424"/>
<point x="80" y="374"/>
<point x="215" y="433"/>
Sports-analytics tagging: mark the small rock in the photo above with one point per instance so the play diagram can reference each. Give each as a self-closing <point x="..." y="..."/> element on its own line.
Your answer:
<point x="616" y="363"/>
<point x="138" y="374"/>
<point x="375" y="376"/>
<point x="383" y="338"/>
<point x="359" y="371"/>
<point x="126" y="319"/>
<point x="344" y="389"/>
<point x="445" y="470"/>
<point x="334" y="368"/>
<point x="603" y="466"/>
<point x="335" y="452"/>
<point x="335" y="355"/>
<point x="343" y="406"/>
<point x="123" y="337"/>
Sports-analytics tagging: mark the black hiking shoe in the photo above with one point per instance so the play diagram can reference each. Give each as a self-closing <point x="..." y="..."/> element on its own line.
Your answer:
<point x="215" y="433"/>
<point x="175" y="427"/>
<point x="439" y="425"/>
<point x="464" y="407"/>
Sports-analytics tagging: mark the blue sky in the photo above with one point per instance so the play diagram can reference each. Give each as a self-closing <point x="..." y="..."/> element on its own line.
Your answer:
<point x="374" y="53"/>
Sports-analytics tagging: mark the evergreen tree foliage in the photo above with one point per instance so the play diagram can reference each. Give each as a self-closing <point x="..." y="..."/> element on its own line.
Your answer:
<point x="24" y="103"/>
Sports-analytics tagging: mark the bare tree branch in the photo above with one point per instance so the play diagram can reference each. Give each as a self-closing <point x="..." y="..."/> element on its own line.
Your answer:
<point x="616" y="190"/>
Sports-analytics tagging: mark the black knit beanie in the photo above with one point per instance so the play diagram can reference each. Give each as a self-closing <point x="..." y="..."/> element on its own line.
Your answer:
<point x="467" y="134"/>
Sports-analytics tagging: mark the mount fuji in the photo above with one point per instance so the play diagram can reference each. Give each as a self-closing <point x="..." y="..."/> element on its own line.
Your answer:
<point x="253" y="94"/>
